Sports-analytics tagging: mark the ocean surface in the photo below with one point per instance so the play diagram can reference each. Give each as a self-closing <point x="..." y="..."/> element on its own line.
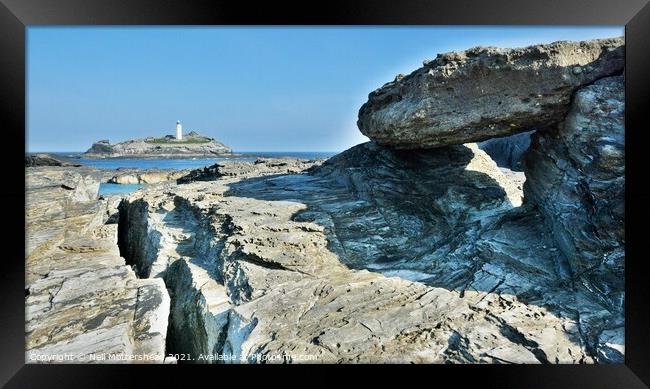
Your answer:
<point x="188" y="163"/>
<point x="106" y="189"/>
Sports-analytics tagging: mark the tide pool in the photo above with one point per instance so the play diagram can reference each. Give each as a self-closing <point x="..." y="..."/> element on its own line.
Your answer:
<point x="106" y="189"/>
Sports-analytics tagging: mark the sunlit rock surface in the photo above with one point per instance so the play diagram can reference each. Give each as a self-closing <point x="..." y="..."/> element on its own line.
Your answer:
<point x="83" y="304"/>
<point x="375" y="256"/>
<point x="411" y="248"/>
<point x="485" y="92"/>
<point x="149" y="176"/>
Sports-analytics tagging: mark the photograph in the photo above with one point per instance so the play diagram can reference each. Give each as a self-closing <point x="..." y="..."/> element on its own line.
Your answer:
<point x="340" y="194"/>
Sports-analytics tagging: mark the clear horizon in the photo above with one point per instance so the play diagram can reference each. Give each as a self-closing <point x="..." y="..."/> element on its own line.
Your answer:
<point x="256" y="89"/>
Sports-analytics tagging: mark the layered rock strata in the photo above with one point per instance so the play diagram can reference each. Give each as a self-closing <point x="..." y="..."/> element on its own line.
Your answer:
<point x="376" y="256"/>
<point x="485" y="92"/>
<point x="83" y="304"/>
<point x="508" y="152"/>
<point x="411" y="248"/>
<point x="149" y="176"/>
<point x="576" y="176"/>
<point x="261" y="167"/>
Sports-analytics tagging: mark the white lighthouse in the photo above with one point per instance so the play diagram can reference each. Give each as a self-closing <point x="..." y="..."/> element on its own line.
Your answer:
<point x="179" y="130"/>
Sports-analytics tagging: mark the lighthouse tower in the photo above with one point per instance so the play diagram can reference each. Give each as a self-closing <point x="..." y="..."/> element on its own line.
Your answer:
<point x="179" y="130"/>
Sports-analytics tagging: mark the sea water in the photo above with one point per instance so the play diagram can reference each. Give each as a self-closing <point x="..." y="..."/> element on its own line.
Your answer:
<point x="186" y="163"/>
<point x="108" y="189"/>
<point x="175" y="164"/>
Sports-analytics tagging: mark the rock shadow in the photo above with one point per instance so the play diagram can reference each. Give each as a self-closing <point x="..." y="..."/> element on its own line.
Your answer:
<point x="445" y="217"/>
<point x="391" y="210"/>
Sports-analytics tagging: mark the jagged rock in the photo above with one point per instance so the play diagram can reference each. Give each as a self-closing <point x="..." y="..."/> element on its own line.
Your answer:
<point x="100" y="148"/>
<point x="46" y="160"/>
<point x="576" y="176"/>
<point x="150" y="176"/>
<point x="485" y="92"/>
<point x="375" y="256"/>
<point x="51" y="210"/>
<point x="261" y="166"/>
<point x="83" y="304"/>
<point x="508" y="151"/>
<point x="78" y="184"/>
<point x="192" y="145"/>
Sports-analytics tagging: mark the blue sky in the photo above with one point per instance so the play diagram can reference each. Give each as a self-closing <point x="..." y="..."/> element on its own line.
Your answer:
<point x="254" y="88"/>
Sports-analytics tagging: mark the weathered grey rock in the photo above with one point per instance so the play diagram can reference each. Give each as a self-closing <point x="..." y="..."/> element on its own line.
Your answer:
<point x="83" y="304"/>
<point x="58" y="201"/>
<point x="485" y="92"/>
<point x="507" y="151"/>
<point x="576" y="176"/>
<point x="150" y="176"/>
<point x="192" y="145"/>
<point x="375" y="256"/>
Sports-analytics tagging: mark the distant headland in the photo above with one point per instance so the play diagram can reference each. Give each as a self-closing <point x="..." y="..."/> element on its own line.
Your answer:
<point x="169" y="146"/>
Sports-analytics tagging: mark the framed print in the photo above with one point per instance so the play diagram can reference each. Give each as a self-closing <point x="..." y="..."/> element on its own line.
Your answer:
<point x="366" y="185"/>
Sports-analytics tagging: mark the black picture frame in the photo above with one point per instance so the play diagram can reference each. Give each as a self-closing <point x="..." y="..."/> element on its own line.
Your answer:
<point x="17" y="15"/>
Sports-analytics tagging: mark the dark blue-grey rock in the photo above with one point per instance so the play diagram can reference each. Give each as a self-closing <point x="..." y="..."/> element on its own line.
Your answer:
<point x="376" y="255"/>
<point x="508" y="151"/>
<point x="576" y="176"/>
<point x="100" y="147"/>
<point x="47" y="160"/>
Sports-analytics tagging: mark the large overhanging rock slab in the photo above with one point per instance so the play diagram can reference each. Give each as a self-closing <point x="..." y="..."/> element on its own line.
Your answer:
<point x="485" y="92"/>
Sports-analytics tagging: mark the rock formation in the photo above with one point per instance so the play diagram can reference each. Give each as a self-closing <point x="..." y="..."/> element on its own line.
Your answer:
<point x="485" y="92"/>
<point x="576" y="176"/>
<point x="149" y="176"/>
<point x="83" y="304"/>
<point x="392" y="251"/>
<point x="192" y="145"/>
<point x="375" y="256"/>
<point x="508" y="151"/>
<point x="101" y="147"/>
<point x="46" y="160"/>
<point x="244" y="256"/>
<point x="261" y="167"/>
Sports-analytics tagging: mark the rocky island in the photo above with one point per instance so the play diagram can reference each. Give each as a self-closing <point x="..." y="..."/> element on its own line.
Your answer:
<point x="191" y="145"/>
<point x="415" y="247"/>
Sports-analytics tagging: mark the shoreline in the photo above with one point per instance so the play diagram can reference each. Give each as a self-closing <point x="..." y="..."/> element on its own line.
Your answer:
<point x="418" y="246"/>
<point x="160" y="156"/>
<point x="76" y="155"/>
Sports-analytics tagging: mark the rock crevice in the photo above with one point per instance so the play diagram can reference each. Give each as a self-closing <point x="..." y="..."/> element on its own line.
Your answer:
<point x="414" y="247"/>
<point x="299" y="264"/>
<point x="83" y="304"/>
